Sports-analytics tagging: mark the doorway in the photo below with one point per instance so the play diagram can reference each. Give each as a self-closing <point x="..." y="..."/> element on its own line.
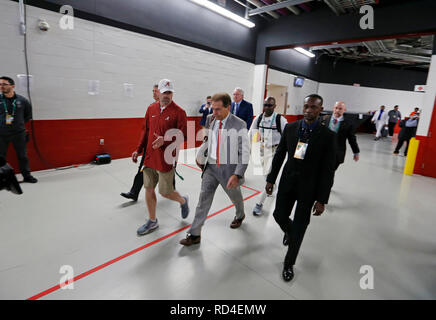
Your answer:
<point x="280" y="93"/>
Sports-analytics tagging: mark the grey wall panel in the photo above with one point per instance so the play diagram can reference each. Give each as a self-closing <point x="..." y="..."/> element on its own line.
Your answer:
<point x="175" y="20"/>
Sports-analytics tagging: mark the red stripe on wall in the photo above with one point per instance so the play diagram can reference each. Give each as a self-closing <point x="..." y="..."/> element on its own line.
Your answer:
<point x="292" y="118"/>
<point x="76" y="141"/>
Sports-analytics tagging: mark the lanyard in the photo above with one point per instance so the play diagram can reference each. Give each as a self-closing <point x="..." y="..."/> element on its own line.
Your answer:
<point x="14" y="104"/>
<point x="270" y="126"/>
<point x="304" y="134"/>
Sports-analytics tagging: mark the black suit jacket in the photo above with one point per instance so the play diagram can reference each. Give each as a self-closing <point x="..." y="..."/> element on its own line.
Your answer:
<point x="346" y="131"/>
<point x="314" y="175"/>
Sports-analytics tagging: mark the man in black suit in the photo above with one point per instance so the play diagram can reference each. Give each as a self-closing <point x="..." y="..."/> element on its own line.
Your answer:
<point x="344" y="129"/>
<point x="306" y="179"/>
<point x="241" y="108"/>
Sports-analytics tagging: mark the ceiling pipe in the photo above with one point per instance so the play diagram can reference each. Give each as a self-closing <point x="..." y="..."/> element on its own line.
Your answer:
<point x="377" y="48"/>
<point x="332" y="7"/>
<point x="276" y="6"/>
<point x="293" y="9"/>
<point x="259" y="4"/>
<point x="282" y="11"/>
<point x="247" y="7"/>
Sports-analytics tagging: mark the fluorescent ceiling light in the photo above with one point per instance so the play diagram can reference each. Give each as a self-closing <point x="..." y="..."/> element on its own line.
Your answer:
<point x="305" y="52"/>
<point x="226" y="13"/>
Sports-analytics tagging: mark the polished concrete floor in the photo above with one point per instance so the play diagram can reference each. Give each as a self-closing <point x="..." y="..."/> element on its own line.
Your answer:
<point x="377" y="217"/>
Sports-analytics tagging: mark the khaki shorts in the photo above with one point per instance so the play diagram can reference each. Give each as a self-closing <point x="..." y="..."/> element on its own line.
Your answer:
<point x="165" y="179"/>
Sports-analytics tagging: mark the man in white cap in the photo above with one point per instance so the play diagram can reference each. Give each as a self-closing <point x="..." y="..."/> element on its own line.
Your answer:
<point x="160" y="117"/>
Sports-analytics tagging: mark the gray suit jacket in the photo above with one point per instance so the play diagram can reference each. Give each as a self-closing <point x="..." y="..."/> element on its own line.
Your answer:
<point x="234" y="146"/>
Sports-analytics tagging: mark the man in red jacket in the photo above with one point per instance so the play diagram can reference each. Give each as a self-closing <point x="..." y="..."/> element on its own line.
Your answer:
<point x="163" y="120"/>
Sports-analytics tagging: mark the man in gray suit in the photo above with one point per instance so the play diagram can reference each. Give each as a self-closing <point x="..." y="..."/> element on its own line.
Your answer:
<point x="225" y="164"/>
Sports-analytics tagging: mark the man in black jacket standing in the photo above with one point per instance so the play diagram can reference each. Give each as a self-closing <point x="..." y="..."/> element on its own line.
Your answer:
<point x="15" y="112"/>
<point x="138" y="181"/>
<point x="306" y="178"/>
<point x="345" y="130"/>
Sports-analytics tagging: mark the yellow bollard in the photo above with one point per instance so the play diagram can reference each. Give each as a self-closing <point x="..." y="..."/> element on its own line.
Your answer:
<point x="411" y="156"/>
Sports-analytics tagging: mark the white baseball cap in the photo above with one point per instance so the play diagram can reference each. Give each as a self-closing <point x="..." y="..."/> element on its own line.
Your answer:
<point x="166" y="85"/>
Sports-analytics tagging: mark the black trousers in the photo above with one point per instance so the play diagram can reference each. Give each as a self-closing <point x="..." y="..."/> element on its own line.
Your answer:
<point x="138" y="181"/>
<point x="400" y="144"/>
<point x="295" y="228"/>
<point x="19" y="143"/>
<point x="405" y="135"/>
<point x="391" y="126"/>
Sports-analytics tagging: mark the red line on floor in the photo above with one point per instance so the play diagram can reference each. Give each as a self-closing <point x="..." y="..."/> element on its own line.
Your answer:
<point x="106" y="264"/>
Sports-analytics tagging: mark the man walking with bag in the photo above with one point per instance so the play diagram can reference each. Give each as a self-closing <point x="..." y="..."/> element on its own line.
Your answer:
<point x="138" y="181"/>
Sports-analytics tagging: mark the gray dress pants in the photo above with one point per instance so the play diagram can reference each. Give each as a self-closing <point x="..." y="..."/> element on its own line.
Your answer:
<point x="212" y="177"/>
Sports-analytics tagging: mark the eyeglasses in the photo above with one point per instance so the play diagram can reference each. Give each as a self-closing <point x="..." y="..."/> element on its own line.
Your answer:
<point x="4" y="84"/>
<point x="268" y="105"/>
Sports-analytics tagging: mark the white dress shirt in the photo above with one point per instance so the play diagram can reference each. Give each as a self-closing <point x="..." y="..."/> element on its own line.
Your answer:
<point x="214" y="138"/>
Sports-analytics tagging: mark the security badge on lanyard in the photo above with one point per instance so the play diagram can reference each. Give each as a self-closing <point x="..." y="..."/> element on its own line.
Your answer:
<point x="300" y="150"/>
<point x="9" y="117"/>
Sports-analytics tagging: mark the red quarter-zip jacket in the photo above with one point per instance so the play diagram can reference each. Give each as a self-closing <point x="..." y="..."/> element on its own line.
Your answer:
<point x="172" y="117"/>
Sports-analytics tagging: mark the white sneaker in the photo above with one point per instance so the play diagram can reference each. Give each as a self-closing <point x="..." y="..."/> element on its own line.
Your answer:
<point x="257" y="211"/>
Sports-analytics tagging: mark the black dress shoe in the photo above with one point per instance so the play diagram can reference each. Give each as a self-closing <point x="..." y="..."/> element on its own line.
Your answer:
<point x="288" y="273"/>
<point x="286" y="239"/>
<point x="129" y="195"/>
<point x="30" y="179"/>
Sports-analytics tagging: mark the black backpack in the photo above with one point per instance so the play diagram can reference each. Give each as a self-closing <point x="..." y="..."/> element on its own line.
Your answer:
<point x="278" y="122"/>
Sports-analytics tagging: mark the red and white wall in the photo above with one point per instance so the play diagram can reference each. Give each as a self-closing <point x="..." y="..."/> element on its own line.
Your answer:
<point x="69" y="122"/>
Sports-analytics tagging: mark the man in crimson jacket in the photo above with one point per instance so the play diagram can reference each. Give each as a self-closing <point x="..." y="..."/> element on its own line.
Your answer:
<point x="163" y="120"/>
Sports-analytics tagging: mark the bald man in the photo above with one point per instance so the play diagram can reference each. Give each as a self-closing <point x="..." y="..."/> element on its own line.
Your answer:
<point x="344" y="129"/>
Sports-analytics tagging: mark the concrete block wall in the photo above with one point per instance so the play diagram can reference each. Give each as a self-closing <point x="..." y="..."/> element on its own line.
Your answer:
<point x="63" y="61"/>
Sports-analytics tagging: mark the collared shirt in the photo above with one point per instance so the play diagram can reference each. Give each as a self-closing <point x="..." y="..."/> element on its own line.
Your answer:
<point x="306" y="130"/>
<point x="335" y="126"/>
<point x="22" y="113"/>
<point x="214" y="140"/>
<point x="235" y="110"/>
<point x="394" y="115"/>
